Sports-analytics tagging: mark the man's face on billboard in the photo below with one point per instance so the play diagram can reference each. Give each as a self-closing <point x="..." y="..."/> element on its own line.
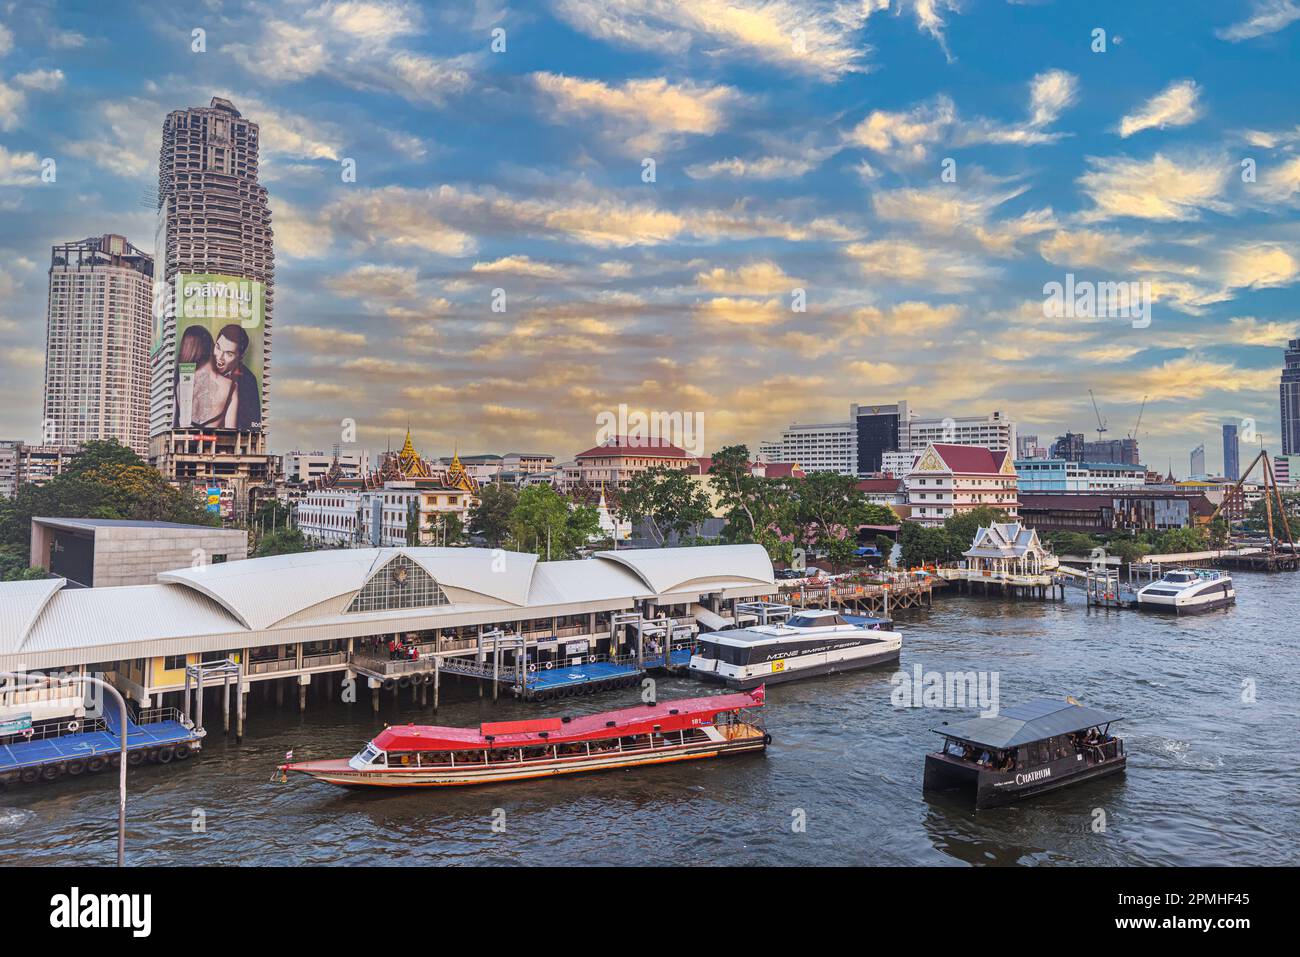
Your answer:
<point x="225" y="356"/>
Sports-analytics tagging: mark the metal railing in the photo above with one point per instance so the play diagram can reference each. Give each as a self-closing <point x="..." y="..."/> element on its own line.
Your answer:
<point x="157" y="715"/>
<point x="325" y="660"/>
<point x="56" y="730"/>
<point x="271" y="667"/>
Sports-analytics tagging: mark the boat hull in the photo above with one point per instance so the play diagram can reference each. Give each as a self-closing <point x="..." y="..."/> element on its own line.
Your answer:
<point x="997" y="788"/>
<point x="341" y="772"/>
<point x="797" y="673"/>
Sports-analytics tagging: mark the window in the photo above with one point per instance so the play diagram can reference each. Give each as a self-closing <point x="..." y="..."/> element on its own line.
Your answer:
<point x="174" y="662"/>
<point x="400" y="584"/>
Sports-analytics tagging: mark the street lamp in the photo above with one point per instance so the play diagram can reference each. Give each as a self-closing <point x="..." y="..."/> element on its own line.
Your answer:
<point x="30" y="680"/>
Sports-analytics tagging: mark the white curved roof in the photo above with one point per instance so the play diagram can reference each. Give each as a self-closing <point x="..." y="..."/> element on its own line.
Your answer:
<point x="20" y="604"/>
<point x="263" y="591"/>
<point x="672" y="569"/>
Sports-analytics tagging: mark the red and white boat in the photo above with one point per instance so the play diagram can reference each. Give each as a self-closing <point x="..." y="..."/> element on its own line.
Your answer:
<point x="668" y="731"/>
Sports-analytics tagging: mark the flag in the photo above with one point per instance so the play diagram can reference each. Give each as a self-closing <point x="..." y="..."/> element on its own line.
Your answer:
<point x="288" y="755"/>
<point x="759" y="694"/>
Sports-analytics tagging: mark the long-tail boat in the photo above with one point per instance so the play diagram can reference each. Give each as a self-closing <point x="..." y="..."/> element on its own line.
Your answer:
<point x="656" y="733"/>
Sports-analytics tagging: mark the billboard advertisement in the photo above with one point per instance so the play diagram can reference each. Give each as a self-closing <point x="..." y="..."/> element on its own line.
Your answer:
<point x="219" y="352"/>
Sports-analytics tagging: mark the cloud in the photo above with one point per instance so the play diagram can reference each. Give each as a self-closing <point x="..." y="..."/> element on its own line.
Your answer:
<point x="909" y="134"/>
<point x="1250" y="331"/>
<point x="377" y="282"/>
<point x="113" y="136"/>
<point x="6" y="40"/>
<point x="1160" y="188"/>
<point x="815" y="38"/>
<point x="1267" y="16"/>
<point x="929" y="18"/>
<point x="742" y="312"/>
<point x="907" y="318"/>
<point x="762" y="167"/>
<point x="46" y="81"/>
<point x="352" y="41"/>
<point x="447" y="220"/>
<point x="320" y="338"/>
<point x="1175" y="105"/>
<point x="945" y="211"/>
<point x="18" y="169"/>
<point x="647" y="114"/>
<point x="1259" y="266"/>
<point x="907" y="262"/>
<point x="763" y="277"/>
<point x="520" y="266"/>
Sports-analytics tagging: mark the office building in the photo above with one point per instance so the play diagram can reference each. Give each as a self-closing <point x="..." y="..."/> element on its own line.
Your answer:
<point x="1289" y="393"/>
<point x="878" y="429"/>
<point x="1231" y="452"/>
<point x="1198" y="472"/>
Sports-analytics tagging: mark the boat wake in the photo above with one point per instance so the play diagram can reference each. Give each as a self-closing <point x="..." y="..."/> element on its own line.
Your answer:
<point x="14" y="818"/>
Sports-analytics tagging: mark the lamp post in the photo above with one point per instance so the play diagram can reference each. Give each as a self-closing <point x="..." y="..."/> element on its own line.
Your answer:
<point x="36" y="680"/>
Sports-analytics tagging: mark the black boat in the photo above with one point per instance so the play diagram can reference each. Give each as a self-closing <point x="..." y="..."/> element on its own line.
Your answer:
<point x="1027" y="749"/>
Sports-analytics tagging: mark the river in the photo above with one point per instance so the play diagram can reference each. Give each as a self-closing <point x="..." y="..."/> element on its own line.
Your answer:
<point x="1212" y="778"/>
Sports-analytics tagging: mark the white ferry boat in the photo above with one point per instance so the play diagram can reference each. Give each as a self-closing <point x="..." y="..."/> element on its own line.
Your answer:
<point x="810" y="643"/>
<point x="1187" y="590"/>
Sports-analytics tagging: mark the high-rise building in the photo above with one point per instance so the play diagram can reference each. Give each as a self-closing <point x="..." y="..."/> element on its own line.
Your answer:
<point x="1198" y="463"/>
<point x="97" y="343"/>
<point x="1289" y="392"/>
<point x="993" y="431"/>
<point x="821" y="447"/>
<point x="1118" y="451"/>
<point x="879" y="429"/>
<point x="1231" y="452"/>
<point x="1068" y="447"/>
<point x="211" y="365"/>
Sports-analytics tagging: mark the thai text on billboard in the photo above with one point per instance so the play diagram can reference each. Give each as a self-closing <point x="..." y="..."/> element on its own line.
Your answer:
<point x="219" y="352"/>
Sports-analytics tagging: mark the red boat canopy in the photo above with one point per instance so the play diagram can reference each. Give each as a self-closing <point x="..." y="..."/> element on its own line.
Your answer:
<point x="645" y="719"/>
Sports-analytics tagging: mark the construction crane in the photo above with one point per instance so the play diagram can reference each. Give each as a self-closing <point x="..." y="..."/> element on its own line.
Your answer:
<point x="1101" y="426"/>
<point x="1134" y="434"/>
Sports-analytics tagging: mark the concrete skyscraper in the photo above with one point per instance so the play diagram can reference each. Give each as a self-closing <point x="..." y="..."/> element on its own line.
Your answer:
<point x="1198" y="463"/>
<point x="97" y="343"/>
<point x="1289" y="391"/>
<point x="214" y="302"/>
<point x="1231" y="452"/>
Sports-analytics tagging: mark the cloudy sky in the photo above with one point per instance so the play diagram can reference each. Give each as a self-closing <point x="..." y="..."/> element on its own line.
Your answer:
<point x="648" y="182"/>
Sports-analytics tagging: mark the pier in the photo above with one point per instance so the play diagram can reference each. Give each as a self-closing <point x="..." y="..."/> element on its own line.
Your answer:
<point x="872" y="597"/>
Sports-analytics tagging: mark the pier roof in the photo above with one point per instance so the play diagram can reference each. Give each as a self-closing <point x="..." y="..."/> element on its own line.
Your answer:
<point x="1028" y="722"/>
<point x="312" y="596"/>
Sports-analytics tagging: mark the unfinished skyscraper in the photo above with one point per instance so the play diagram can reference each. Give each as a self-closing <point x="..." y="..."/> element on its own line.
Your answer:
<point x="211" y="383"/>
<point x="97" y="344"/>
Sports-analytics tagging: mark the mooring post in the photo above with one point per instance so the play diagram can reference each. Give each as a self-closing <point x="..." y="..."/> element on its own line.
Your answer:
<point x="225" y="703"/>
<point x="198" y="698"/>
<point x="437" y="681"/>
<point x="496" y="665"/>
<point x="185" y="702"/>
<point x="241" y="704"/>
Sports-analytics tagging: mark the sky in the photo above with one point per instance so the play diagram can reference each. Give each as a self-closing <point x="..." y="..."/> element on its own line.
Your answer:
<point x="753" y="211"/>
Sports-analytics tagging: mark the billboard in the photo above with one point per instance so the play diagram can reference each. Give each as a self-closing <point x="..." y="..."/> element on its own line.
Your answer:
<point x="219" y="352"/>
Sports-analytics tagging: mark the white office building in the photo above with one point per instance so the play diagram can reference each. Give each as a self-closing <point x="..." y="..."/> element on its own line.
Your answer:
<point x="821" y="447"/>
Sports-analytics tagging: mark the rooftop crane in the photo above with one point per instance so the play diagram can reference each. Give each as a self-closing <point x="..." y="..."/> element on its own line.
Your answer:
<point x="1101" y="426"/>
<point x="1134" y="434"/>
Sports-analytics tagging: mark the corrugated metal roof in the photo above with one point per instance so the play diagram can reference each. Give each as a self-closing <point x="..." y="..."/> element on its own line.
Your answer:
<point x="86" y="617"/>
<point x="672" y="569"/>
<point x="20" y="604"/>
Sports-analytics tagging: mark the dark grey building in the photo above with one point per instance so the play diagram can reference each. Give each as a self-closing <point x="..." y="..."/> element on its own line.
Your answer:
<point x="1289" y="391"/>
<point x="1231" y="452"/>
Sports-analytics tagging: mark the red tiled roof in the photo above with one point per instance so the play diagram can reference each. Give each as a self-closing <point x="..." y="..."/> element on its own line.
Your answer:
<point x="783" y="470"/>
<point x="971" y="459"/>
<point x="880" y="485"/>
<point x="622" y="445"/>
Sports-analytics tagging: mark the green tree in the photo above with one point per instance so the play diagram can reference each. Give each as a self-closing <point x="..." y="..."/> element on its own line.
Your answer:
<point x="1178" y="540"/>
<point x="446" y="529"/>
<point x="666" y="501"/>
<point x="963" y="526"/>
<point x="1218" y="532"/>
<point x="490" y="518"/>
<point x="281" y="541"/>
<point x="545" y="522"/>
<point x="922" y="545"/>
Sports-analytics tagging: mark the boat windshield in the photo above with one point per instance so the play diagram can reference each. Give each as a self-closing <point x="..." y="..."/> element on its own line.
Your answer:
<point x="814" y="621"/>
<point x="372" y="755"/>
<point x="1181" y="577"/>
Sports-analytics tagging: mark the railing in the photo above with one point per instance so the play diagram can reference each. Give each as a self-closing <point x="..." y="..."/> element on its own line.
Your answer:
<point x="57" y="692"/>
<point x="157" y="715"/>
<point x="272" y="667"/>
<point x="325" y="660"/>
<point x="71" y="726"/>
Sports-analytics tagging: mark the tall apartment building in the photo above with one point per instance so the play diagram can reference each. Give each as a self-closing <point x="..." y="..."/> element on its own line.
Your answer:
<point x="210" y="396"/>
<point x="1068" y="446"/>
<point x="1231" y="452"/>
<point x="1289" y="393"/>
<point x="822" y="447"/>
<point x="23" y="464"/>
<point x="993" y="431"/>
<point x="1197" y="463"/>
<point x="97" y="332"/>
<point x="1118" y="451"/>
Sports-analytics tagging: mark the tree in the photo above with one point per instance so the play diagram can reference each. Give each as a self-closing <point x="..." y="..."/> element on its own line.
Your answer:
<point x="963" y="526"/>
<point x="281" y="541"/>
<point x="490" y="518"/>
<point x="543" y="521"/>
<point x="922" y="545"/>
<point x="666" y="501"/>
<point x="446" y="529"/>
<point x="1218" y="532"/>
<point x="740" y="494"/>
<point x="1178" y="540"/>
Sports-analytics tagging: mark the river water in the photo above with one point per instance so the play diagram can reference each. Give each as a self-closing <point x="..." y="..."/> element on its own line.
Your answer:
<point x="1211" y="779"/>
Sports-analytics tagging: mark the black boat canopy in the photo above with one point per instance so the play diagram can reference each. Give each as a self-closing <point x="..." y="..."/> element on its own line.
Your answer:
<point x="1025" y="723"/>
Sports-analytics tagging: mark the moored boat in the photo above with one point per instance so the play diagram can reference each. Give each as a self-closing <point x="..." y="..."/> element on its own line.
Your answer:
<point x="811" y="643"/>
<point x="657" y="733"/>
<point x="1188" y="590"/>
<point x="1026" y="750"/>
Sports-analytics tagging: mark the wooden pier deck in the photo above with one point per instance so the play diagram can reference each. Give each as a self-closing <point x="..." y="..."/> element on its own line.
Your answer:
<point x="873" y="598"/>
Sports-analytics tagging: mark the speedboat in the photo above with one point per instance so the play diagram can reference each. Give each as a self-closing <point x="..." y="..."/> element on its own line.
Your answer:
<point x="656" y="733"/>
<point x="1186" y="590"/>
<point x="1025" y="750"/>
<point x="810" y="643"/>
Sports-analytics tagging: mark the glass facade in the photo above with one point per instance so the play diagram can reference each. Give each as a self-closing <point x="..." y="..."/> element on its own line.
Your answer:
<point x="399" y="584"/>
